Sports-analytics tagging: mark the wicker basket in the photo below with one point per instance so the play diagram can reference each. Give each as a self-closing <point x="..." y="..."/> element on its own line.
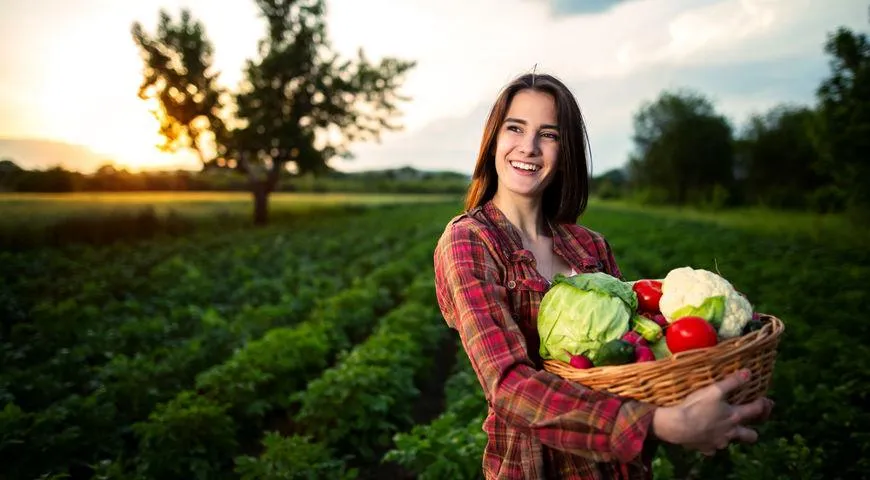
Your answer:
<point x="668" y="381"/>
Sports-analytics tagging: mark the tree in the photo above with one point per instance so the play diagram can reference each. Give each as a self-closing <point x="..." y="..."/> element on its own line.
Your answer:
<point x="844" y="100"/>
<point x="180" y="81"/>
<point x="683" y="149"/>
<point x="778" y="160"/>
<point x="300" y="105"/>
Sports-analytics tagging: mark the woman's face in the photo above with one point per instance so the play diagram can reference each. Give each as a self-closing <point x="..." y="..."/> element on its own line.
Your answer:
<point x="527" y="145"/>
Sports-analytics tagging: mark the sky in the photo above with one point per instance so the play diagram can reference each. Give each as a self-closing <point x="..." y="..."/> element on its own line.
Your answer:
<point x="70" y="70"/>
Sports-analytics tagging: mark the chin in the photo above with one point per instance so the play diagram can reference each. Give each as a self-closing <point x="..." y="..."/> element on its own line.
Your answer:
<point x="525" y="191"/>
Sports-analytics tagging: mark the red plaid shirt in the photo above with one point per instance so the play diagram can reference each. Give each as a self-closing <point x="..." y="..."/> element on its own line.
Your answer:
<point x="539" y="425"/>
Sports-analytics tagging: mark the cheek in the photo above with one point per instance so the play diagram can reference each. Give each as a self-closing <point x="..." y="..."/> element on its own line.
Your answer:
<point x="551" y="154"/>
<point x="502" y="146"/>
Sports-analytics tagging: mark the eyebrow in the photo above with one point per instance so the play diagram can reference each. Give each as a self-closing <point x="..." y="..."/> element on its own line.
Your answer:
<point x="523" y="122"/>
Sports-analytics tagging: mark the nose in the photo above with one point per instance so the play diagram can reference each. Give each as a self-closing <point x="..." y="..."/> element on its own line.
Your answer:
<point x="529" y="144"/>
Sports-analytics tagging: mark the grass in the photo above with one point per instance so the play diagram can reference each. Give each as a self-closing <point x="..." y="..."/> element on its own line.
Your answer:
<point x="821" y="228"/>
<point x="38" y="220"/>
<point x="40" y="208"/>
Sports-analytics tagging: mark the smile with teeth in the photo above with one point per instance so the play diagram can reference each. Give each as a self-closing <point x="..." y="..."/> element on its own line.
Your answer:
<point x="525" y="166"/>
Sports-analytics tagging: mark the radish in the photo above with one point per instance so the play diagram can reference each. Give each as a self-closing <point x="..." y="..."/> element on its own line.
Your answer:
<point x="635" y="338"/>
<point x="642" y="353"/>
<point x="581" y="361"/>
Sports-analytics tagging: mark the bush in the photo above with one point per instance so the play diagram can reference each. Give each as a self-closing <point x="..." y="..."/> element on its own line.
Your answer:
<point x="189" y="437"/>
<point x="292" y="458"/>
<point x="827" y="199"/>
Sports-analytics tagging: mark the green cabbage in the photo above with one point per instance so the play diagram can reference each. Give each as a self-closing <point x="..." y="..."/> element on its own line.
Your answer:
<point x="579" y="314"/>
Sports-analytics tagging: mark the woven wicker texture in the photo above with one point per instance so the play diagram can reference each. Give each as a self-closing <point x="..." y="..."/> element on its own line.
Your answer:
<point x="668" y="381"/>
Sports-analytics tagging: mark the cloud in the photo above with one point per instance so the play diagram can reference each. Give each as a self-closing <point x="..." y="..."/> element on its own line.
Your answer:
<point x="745" y="55"/>
<point x="582" y="7"/>
<point x="736" y="90"/>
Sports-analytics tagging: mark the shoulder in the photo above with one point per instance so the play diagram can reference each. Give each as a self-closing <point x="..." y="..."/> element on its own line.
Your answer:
<point x="468" y="226"/>
<point x="467" y="236"/>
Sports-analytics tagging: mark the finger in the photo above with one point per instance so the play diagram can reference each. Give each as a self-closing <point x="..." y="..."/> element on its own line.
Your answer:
<point x="749" y="411"/>
<point x="768" y="409"/>
<point x="745" y="435"/>
<point x="732" y="382"/>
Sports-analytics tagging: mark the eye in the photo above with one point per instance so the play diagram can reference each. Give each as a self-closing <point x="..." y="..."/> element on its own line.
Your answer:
<point x="550" y="135"/>
<point x="514" y="128"/>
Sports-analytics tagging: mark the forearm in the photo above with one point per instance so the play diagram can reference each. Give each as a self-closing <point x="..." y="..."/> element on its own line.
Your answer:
<point x="568" y="417"/>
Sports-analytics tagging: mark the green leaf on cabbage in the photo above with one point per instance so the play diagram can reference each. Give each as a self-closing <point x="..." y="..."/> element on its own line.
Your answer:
<point x="579" y="314"/>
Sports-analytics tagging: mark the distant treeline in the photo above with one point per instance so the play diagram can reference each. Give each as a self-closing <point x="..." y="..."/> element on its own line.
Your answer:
<point x="111" y="179"/>
<point x="794" y="157"/>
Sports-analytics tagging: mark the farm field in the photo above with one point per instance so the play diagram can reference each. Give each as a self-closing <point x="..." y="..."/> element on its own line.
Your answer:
<point x="315" y="348"/>
<point x="40" y="219"/>
<point x="43" y="208"/>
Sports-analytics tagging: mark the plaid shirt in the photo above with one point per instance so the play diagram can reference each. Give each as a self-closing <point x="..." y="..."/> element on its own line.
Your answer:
<point x="538" y="425"/>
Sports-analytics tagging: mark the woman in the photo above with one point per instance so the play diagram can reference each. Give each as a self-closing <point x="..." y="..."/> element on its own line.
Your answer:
<point x="493" y="265"/>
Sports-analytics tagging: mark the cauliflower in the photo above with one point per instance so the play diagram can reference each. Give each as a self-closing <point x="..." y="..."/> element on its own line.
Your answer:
<point x="687" y="291"/>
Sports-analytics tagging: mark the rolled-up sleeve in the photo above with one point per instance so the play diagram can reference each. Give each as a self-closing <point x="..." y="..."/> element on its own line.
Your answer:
<point x="561" y="414"/>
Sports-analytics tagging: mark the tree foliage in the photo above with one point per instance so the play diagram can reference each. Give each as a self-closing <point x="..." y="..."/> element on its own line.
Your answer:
<point x="844" y="103"/>
<point x="683" y="148"/>
<point x="180" y="82"/>
<point x="778" y="160"/>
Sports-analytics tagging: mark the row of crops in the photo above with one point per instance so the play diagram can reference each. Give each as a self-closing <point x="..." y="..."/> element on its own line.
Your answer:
<point x="317" y="350"/>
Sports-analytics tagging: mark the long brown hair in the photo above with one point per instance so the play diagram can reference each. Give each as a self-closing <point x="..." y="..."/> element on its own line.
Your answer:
<point x="565" y="198"/>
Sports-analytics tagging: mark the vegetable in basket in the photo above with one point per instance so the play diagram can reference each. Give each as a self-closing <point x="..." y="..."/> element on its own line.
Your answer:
<point x="648" y="329"/>
<point x="689" y="333"/>
<point x="581" y="313"/>
<point x="700" y="293"/>
<point x="649" y="294"/>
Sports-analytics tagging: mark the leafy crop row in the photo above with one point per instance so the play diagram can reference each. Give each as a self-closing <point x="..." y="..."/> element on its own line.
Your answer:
<point x="354" y="408"/>
<point x="273" y="279"/>
<point x="364" y="271"/>
<point x="309" y="364"/>
<point x="451" y="446"/>
<point x="262" y="377"/>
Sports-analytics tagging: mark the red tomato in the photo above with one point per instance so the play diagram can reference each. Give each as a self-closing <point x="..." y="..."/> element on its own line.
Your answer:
<point x="689" y="333"/>
<point x="649" y="292"/>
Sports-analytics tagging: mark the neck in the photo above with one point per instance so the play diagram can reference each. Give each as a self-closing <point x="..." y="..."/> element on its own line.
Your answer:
<point x="525" y="214"/>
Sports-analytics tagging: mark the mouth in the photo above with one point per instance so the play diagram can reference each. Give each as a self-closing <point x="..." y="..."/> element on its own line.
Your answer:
<point x="525" y="167"/>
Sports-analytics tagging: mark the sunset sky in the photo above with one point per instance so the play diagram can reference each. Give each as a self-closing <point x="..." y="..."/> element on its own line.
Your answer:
<point x="70" y="69"/>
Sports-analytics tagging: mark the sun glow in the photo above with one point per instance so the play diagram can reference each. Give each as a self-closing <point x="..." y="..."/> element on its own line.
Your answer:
<point x="97" y="106"/>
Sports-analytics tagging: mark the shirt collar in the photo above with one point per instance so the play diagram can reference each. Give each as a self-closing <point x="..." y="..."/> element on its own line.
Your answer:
<point x="565" y="244"/>
<point x="501" y="221"/>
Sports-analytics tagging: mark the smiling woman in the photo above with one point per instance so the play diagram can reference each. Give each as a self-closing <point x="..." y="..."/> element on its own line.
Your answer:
<point x="493" y="264"/>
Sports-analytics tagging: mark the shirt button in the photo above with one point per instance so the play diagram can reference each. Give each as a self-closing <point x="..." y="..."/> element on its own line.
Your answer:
<point x="512" y="284"/>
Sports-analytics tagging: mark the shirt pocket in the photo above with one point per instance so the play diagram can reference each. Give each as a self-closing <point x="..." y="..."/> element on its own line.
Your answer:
<point x="525" y="297"/>
<point x="524" y="292"/>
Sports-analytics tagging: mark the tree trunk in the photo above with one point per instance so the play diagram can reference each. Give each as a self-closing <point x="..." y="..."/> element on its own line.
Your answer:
<point x="261" y="203"/>
<point x="262" y="187"/>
